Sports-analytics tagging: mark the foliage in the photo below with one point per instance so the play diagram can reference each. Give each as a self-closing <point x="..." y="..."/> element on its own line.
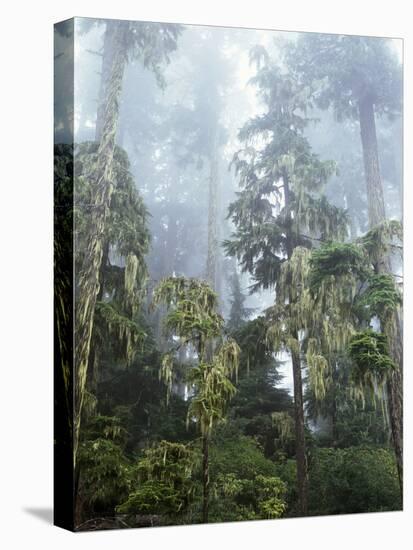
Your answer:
<point x="381" y="298"/>
<point x="241" y="456"/>
<point x="245" y="499"/>
<point x="150" y="43"/>
<point x="192" y="316"/>
<point x="192" y="306"/>
<point x="163" y="484"/>
<point x="334" y="474"/>
<point x="108" y="427"/>
<point x="128" y="333"/>
<point x="342" y="70"/>
<point x="126" y="230"/>
<point x="230" y="442"/>
<point x="276" y="203"/>
<point x="238" y="313"/>
<point x="336" y="259"/>
<point x="372" y="364"/>
<point x="104" y="471"/>
<point x="213" y="390"/>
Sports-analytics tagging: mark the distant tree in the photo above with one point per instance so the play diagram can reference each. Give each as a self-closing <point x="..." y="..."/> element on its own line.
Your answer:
<point x="359" y="77"/>
<point x="238" y="313"/>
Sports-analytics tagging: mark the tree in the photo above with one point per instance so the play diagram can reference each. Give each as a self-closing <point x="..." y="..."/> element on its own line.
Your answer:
<point x="128" y="39"/>
<point x="238" y="313"/>
<point x="273" y="209"/>
<point x="192" y="316"/>
<point x="360" y="78"/>
<point x="345" y="276"/>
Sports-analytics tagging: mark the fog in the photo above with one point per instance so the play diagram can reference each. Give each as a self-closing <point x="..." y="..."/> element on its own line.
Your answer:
<point x="165" y="127"/>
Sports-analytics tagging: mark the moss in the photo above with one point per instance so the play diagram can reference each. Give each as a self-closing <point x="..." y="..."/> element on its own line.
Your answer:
<point x="319" y="370"/>
<point x="382" y="239"/>
<point x="382" y="298"/>
<point x="163" y="481"/>
<point x="372" y="366"/>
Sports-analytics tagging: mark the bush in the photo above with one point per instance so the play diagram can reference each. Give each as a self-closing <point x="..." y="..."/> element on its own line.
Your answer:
<point x="352" y="480"/>
<point x="104" y="474"/>
<point x="240" y="456"/>
<point x="248" y="499"/>
<point x="163" y="482"/>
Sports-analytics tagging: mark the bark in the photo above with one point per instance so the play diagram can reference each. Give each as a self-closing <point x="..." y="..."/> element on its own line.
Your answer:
<point x="94" y="354"/>
<point x="107" y="60"/>
<point x="212" y="254"/>
<point x="300" y="447"/>
<point x="88" y="277"/>
<point x="205" y="478"/>
<point x="395" y="402"/>
<point x="334" y="411"/>
<point x="377" y="214"/>
<point x="213" y="213"/>
<point x="375" y="196"/>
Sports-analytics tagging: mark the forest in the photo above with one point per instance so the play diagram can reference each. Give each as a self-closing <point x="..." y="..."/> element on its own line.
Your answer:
<point x="237" y="255"/>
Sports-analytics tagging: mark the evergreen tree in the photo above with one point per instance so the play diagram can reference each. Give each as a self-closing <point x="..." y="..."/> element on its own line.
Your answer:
<point x="361" y="78"/>
<point x="128" y="39"/>
<point x="273" y="209"/>
<point x="238" y="313"/>
<point x="193" y="317"/>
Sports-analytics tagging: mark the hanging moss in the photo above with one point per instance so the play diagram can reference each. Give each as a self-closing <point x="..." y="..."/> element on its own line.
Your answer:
<point x="125" y="329"/>
<point x="379" y="241"/>
<point x="131" y="271"/>
<point x="164" y="481"/>
<point x="382" y="298"/>
<point x="192" y="316"/>
<point x="284" y="424"/>
<point x="318" y="216"/>
<point x="213" y="391"/>
<point x="192" y="309"/>
<point x="294" y="275"/>
<point x="372" y="366"/>
<point x="319" y="370"/>
<point x="166" y="374"/>
<point x="227" y="357"/>
<point x="89" y="405"/>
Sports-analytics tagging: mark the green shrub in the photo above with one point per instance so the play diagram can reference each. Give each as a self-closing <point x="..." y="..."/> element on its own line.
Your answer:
<point x="352" y="480"/>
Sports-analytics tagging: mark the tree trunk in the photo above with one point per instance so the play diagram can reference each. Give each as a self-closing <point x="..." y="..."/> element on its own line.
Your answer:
<point x="334" y="412"/>
<point x="395" y="401"/>
<point x="171" y="243"/>
<point x="375" y="196"/>
<point x="300" y="447"/>
<point x="300" y="450"/>
<point x="87" y="285"/>
<point x="205" y="478"/>
<point x="377" y="214"/>
<point x="107" y="60"/>
<point x="213" y="213"/>
<point x="94" y="354"/>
